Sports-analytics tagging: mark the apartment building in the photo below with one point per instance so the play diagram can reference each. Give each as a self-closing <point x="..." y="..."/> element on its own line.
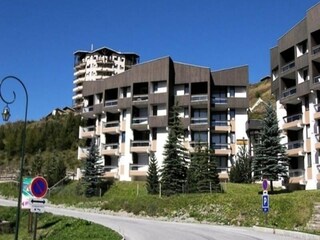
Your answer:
<point x="95" y="65"/>
<point x="128" y="114"/>
<point x="295" y="72"/>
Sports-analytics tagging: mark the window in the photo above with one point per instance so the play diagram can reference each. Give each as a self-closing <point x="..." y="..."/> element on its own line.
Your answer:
<point x="200" y="137"/>
<point x="306" y="103"/>
<point x="154" y="110"/>
<point x="232" y="113"/>
<point x="232" y="91"/>
<point x="155" y="87"/>
<point x="186" y="89"/>
<point x="123" y="137"/>
<point x="309" y="160"/>
<point x="154" y="133"/>
<point x="307" y="131"/>
<point x="124" y="114"/>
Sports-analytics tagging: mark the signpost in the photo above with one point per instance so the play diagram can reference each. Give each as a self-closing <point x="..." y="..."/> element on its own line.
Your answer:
<point x="39" y="188"/>
<point x="265" y="198"/>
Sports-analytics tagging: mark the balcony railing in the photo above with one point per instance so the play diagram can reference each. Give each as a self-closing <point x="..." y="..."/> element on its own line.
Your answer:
<point x="140" y="98"/>
<point x="136" y="167"/>
<point x="316" y="49"/>
<point x="87" y="109"/>
<point x="88" y="128"/>
<point x="316" y="79"/>
<point x="223" y="169"/>
<point x="220" y="146"/>
<point x="109" y="168"/>
<point x="219" y="123"/>
<point x="140" y="143"/>
<point x="289" y="92"/>
<point x="110" y="103"/>
<point x="296" y="173"/>
<point x="295" y="144"/>
<point x="140" y="120"/>
<point x="198" y="98"/>
<point x="288" y="66"/>
<point x="109" y="146"/>
<point x="194" y="144"/>
<point x="215" y="100"/>
<point x="199" y="120"/>
<point x="111" y="124"/>
<point x="293" y="118"/>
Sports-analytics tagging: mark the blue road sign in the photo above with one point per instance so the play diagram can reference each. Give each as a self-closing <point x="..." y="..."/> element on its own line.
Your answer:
<point x="265" y="184"/>
<point x="39" y="187"/>
<point x="265" y="203"/>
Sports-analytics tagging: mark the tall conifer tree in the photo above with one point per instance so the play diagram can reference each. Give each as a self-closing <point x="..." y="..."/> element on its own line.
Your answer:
<point x="174" y="169"/>
<point x="270" y="160"/>
<point x="153" y="177"/>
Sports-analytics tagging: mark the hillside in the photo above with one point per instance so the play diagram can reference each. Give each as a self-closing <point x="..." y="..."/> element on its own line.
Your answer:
<point x="261" y="90"/>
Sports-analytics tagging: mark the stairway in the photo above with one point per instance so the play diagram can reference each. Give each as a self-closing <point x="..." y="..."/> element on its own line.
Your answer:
<point x="314" y="223"/>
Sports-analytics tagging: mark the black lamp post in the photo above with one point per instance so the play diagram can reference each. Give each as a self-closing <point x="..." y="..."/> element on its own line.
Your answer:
<point x="6" y="115"/>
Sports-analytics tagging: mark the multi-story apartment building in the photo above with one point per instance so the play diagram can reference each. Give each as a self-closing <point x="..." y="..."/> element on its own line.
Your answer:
<point x="295" y="71"/>
<point x="127" y="114"/>
<point x="95" y="65"/>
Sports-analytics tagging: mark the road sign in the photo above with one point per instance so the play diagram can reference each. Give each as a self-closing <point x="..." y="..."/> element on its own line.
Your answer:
<point x="265" y="203"/>
<point x="39" y="187"/>
<point x="265" y="184"/>
<point x="37" y="205"/>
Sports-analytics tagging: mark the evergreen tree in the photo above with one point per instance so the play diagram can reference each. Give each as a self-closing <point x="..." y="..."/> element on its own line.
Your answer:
<point x="55" y="169"/>
<point x="270" y="160"/>
<point x="153" y="177"/>
<point x="241" y="171"/>
<point x="93" y="171"/>
<point x="202" y="173"/>
<point x="173" y="172"/>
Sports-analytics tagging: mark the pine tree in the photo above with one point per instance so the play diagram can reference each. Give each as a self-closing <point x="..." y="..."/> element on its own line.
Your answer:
<point x="270" y="159"/>
<point x="93" y="171"/>
<point x="173" y="172"/>
<point x="153" y="177"/>
<point x="241" y="171"/>
<point x="202" y="173"/>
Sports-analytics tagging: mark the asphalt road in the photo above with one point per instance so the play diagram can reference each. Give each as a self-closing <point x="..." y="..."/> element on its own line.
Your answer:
<point x="145" y="229"/>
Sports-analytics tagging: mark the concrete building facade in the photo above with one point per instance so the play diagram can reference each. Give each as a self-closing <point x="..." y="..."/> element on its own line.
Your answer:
<point x="295" y="72"/>
<point x="127" y="114"/>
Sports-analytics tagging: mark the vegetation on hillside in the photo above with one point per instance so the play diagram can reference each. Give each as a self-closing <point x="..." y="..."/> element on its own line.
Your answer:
<point x="52" y="227"/>
<point x="55" y="137"/>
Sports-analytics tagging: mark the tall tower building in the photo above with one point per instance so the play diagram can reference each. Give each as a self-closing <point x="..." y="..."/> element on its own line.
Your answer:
<point x="97" y="65"/>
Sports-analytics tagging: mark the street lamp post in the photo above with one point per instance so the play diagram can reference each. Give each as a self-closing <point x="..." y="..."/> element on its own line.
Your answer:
<point x="6" y="115"/>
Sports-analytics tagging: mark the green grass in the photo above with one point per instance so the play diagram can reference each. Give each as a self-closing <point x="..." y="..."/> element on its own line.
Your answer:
<point x="240" y="204"/>
<point x="52" y="227"/>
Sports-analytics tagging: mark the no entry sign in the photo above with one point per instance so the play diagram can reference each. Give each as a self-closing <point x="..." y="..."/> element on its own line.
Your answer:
<point x="39" y="187"/>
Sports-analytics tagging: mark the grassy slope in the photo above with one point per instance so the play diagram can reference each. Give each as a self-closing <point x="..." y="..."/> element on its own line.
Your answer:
<point x="52" y="227"/>
<point x="239" y="205"/>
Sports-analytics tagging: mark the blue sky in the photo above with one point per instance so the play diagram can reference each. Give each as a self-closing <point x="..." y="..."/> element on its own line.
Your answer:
<point x="38" y="38"/>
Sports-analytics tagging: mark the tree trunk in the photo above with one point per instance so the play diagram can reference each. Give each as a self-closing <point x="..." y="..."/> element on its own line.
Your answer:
<point x="271" y="186"/>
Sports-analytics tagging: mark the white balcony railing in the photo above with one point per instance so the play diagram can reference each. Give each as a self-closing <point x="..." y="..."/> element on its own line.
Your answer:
<point x="288" y="92"/>
<point x="219" y="123"/>
<point x="296" y="173"/>
<point x="295" y="144"/>
<point x="140" y="120"/>
<point x="111" y="124"/>
<point x="140" y="143"/>
<point x="111" y="103"/>
<point x="199" y="120"/>
<point x="109" y="146"/>
<point x="292" y="118"/>
<point x="198" y="98"/>
<point x="288" y="66"/>
<point x="316" y="79"/>
<point x="87" y="109"/>
<point x="220" y="100"/>
<point x="316" y="49"/>
<point x="140" y="98"/>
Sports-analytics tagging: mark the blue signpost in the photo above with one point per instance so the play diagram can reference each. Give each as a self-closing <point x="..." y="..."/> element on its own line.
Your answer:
<point x="39" y="187"/>
<point x="265" y="203"/>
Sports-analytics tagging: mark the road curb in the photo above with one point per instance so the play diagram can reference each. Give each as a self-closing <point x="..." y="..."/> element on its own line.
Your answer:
<point x="276" y="231"/>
